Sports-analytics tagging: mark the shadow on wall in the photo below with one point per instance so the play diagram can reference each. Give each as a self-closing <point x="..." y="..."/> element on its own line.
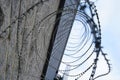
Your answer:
<point x="1" y="17"/>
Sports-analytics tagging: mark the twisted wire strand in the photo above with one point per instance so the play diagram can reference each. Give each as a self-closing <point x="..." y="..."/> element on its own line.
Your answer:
<point x="80" y="74"/>
<point x="83" y="44"/>
<point x="78" y="65"/>
<point x="109" y="66"/>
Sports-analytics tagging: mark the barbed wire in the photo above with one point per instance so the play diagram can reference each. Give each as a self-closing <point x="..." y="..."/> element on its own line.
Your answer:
<point x="96" y="31"/>
<point x="92" y="31"/>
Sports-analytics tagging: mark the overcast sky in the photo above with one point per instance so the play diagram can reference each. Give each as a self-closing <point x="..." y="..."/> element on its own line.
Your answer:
<point x="109" y="12"/>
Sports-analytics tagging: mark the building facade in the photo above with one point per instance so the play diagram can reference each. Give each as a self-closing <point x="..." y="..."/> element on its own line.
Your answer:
<point x="29" y="31"/>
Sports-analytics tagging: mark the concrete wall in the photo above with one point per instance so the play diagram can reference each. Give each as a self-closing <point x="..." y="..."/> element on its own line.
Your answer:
<point x="24" y="39"/>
